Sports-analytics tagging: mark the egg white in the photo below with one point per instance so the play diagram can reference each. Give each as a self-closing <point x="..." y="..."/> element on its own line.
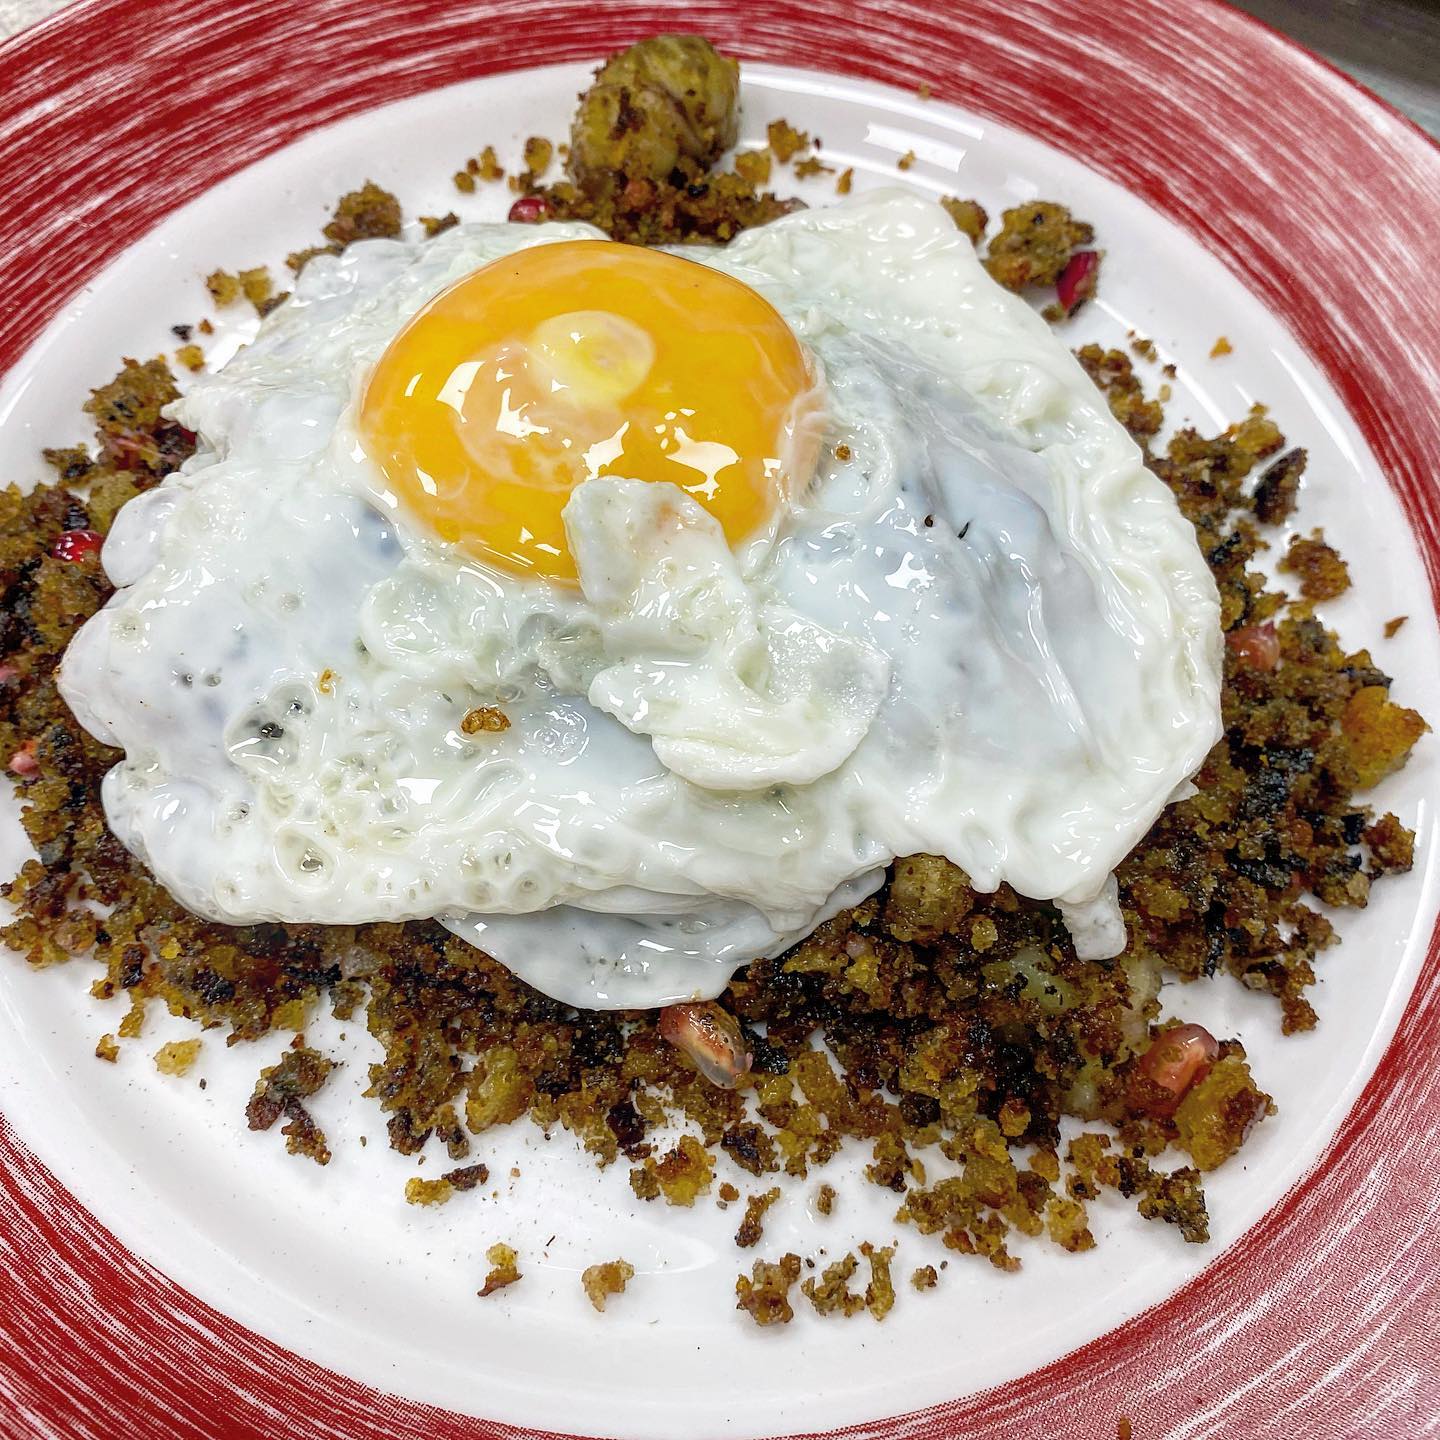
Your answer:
<point x="987" y="633"/>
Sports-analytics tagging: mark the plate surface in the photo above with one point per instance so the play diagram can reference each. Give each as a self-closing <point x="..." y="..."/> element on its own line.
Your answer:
<point x="167" y="1171"/>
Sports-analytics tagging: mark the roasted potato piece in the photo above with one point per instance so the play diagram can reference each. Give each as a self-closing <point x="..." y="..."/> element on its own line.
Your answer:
<point x="661" y="101"/>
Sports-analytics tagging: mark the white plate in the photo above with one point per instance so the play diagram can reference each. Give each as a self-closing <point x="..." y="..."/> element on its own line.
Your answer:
<point x="332" y="1262"/>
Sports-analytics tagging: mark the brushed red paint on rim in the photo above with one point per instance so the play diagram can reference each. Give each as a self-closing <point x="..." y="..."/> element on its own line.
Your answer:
<point x="109" y="119"/>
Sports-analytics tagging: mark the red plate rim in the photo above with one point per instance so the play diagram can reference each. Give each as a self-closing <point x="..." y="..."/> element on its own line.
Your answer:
<point x="116" y="112"/>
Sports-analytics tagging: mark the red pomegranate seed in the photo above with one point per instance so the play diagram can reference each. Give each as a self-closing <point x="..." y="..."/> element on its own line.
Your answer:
<point x="529" y="209"/>
<point x="711" y="1037"/>
<point x="23" y="761"/>
<point x="77" y="544"/>
<point x="1175" y="1061"/>
<point x="1256" y="646"/>
<point x="1077" y="280"/>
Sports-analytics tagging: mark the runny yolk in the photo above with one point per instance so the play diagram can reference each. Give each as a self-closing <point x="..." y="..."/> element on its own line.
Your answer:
<point x="583" y="358"/>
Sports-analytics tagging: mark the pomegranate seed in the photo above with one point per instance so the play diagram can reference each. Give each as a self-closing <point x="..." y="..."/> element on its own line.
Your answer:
<point x="1175" y="1061"/>
<point x="1077" y="280"/>
<point x="23" y="761"/>
<point x="711" y="1037"/>
<point x="1256" y="646"/>
<point x="77" y="544"/>
<point x="529" y="209"/>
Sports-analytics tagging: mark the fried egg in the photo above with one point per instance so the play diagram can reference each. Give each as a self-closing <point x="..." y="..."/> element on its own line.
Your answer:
<point x="630" y="611"/>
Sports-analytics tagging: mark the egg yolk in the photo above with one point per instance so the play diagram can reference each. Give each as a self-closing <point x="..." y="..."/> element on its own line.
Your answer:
<point x="578" y="359"/>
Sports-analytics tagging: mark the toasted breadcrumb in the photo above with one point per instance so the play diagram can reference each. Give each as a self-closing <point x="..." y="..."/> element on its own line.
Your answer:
<point x="1392" y="627"/>
<point x="764" y="1294"/>
<point x="969" y="216"/>
<point x="785" y="141"/>
<point x="752" y="1227"/>
<point x="192" y="357"/>
<point x="106" y="1048"/>
<point x="427" y="1192"/>
<point x="831" y="1293"/>
<point x="600" y="1282"/>
<point x="503" y="1269"/>
<point x="485" y="719"/>
<point x="1323" y="574"/>
<point x="905" y="161"/>
<point x="176" y="1057"/>
<point x="1221" y="347"/>
<point x="925" y="1277"/>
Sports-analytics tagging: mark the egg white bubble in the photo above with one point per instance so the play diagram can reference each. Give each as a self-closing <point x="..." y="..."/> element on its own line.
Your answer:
<point x="985" y="633"/>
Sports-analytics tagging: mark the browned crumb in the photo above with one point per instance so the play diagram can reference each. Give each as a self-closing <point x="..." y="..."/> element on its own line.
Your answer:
<point x="369" y="213"/>
<point x="464" y="182"/>
<point x="1323" y="574"/>
<point x="1221" y="347"/>
<point x="925" y="1277"/>
<point x="1392" y="627"/>
<point x="539" y="152"/>
<point x="488" y="719"/>
<point x="427" y="1192"/>
<point x="175" y="1057"/>
<point x="753" y="166"/>
<point x="192" y="357"/>
<point x="503" y="1271"/>
<point x="486" y="166"/>
<point x="106" y="1048"/>
<point x="831" y="1293"/>
<point x="811" y="165"/>
<point x="297" y="260"/>
<point x="257" y="287"/>
<point x="1163" y="394"/>
<point x="434" y="225"/>
<point x="1391" y="846"/>
<point x="1113" y="372"/>
<point x="906" y="160"/>
<point x="928" y="896"/>
<point x="846" y="181"/>
<point x="1123" y="1430"/>
<point x="785" y="141"/>
<point x="825" y="1199"/>
<point x="1379" y="735"/>
<point x="280" y="1090"/>
<point x="133" y="1021"/>
<point x="923" y="90"/>
<point x="842" y="452"/>
<point x="728" y="1194"/>
<point x="326" y="683"/>
<point x="969" y="216"/>
<point x="880" y="1292"/>
<point x="603" y="1281"/>
<point x="752" y="1227"/>
<point x="1035" y="244"/>
<point x="224" y="288"/>
<point x="681" y="1176"/>
<point x="1065" y="1223"/>
<point x="1145" y="348"/>
<point x="1218" y="1114"/>
<point x="764" y="1294"/>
